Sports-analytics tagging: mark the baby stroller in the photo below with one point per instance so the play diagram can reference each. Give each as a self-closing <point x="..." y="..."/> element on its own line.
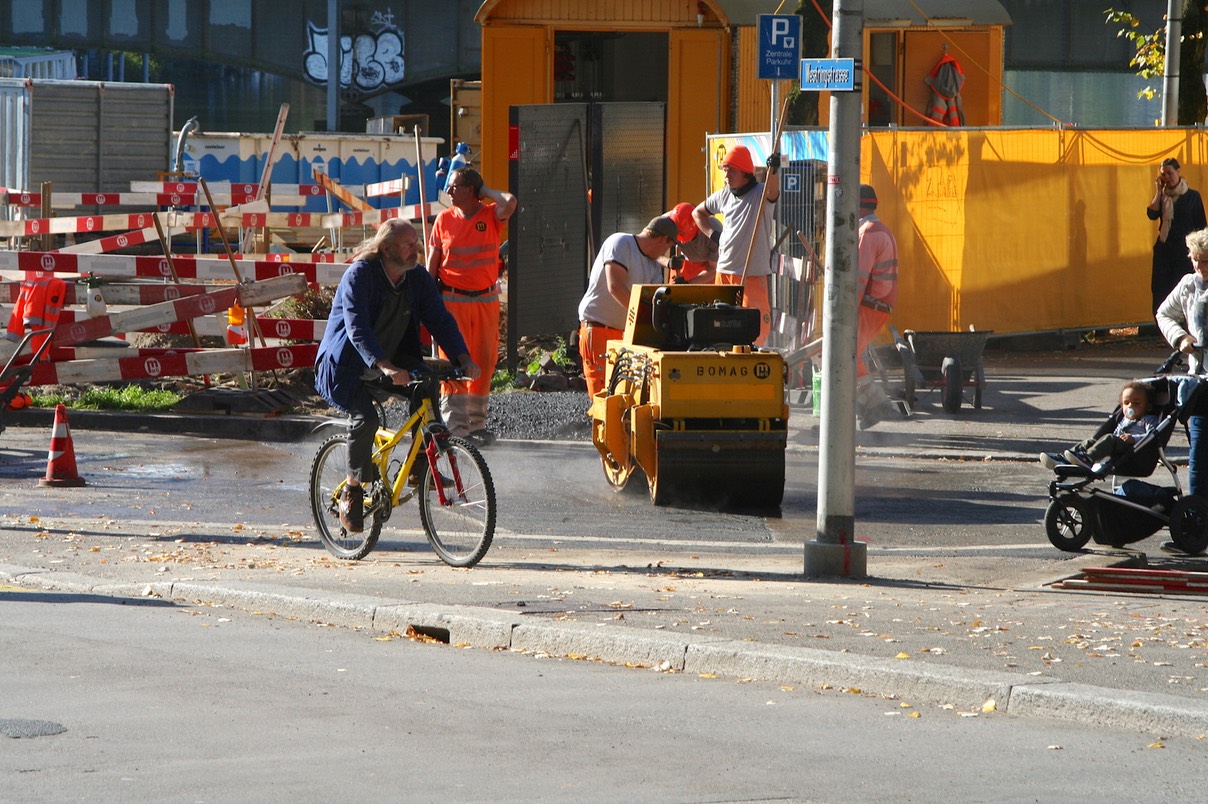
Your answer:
<point x="1110" y="503"/>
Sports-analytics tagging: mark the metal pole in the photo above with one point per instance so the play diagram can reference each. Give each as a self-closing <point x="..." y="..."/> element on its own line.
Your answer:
<point x="775" y="108"/>
<point x="1170" y="76"/>
<point x="333" y="65"/>
<point x="834" y="551"/>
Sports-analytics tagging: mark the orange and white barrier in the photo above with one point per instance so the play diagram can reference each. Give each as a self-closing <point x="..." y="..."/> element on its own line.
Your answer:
<point x="205" y="220"/>
<point x="176" y="363"/>
<point x="249" y="189"/>
<point x="114" y="294"/>
<point x="193" y="198"/>
<point x="203" y="269"/>
<point x="247" y="295"/>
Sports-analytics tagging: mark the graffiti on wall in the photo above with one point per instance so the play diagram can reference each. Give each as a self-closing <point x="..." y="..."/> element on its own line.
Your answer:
<point x="368" y="61"/>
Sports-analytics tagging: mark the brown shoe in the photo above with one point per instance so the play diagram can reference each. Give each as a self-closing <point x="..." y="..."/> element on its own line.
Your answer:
<point x="352" y="509"/>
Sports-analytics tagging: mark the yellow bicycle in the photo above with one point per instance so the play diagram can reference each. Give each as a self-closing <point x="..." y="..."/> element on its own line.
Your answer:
<point x="448" y="474"/>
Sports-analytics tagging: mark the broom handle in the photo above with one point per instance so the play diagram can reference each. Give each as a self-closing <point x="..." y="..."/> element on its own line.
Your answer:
<point x="763" y="197"/>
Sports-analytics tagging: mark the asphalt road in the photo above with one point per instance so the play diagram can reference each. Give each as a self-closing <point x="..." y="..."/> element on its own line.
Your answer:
<point x="145" y="700"/>
<point x="549" y="493"/>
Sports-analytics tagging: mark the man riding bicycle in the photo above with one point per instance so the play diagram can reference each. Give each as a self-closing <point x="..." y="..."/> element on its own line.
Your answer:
<point x="373" y="332"/>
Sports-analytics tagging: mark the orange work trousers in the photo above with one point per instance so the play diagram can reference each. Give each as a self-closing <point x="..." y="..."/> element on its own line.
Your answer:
<point x="593" y="344"/>
<point x="755" y="295"/>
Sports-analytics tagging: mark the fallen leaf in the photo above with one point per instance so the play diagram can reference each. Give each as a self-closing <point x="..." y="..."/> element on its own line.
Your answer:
<point x="990" y="705"/>
<point x="902" y="656"/>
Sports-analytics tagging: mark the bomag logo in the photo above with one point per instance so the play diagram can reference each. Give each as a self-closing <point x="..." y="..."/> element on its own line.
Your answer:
<point x="760" y="371"/>
<point x="719" y="371"/>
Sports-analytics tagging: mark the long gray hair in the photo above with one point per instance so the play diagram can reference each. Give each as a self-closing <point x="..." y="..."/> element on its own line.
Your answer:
<point x="372" y="247"/>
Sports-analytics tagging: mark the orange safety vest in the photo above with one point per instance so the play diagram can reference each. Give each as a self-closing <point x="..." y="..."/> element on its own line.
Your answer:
<point x="38" y="307"/>
<point x="470" y="246"/>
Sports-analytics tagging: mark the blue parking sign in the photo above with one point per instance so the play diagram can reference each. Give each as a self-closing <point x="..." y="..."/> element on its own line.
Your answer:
<point x="779" y="45"/>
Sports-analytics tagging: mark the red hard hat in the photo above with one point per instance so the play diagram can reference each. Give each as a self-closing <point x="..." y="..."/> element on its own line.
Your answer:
<point x="739" y="157"/>
<point x="682" y="215"/>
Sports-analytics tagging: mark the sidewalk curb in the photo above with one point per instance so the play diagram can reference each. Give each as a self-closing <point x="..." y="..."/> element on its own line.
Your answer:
<point x="248" y="428"/>
<point x="965" y="689"/>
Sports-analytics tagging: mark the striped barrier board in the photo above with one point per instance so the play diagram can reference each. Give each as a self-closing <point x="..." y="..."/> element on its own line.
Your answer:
<point x="206" y="269"/>
<point x="119" y="241"/>
<point x="84" y="224"/>
<point x="181" y="363"/>
<point x="168" y="199"/>
<point x="245" y="188"/>
<point x="1138" y="580"/>
<point x="123" y="294"/>
<point x="392" y="187"/>
<point x="247" y="295"/>
<point x="332" y="186"/>
<point x="301" y="256"/>
<point x="286" y="329"/>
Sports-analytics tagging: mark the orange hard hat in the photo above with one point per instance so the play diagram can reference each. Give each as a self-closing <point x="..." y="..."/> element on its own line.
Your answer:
<point x="682" y="215"/>
<point x="739" y="157"/>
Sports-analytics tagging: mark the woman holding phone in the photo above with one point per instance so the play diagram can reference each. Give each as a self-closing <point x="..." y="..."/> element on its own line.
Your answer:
<point x="1179" y="211"/>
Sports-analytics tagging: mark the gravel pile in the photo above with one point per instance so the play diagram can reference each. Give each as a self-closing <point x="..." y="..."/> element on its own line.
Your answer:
<point x="548" y="415"/>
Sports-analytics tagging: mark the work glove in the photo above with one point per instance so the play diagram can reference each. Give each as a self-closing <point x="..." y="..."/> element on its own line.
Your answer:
<point x="774" y="162"/>
<point x="677" y="262"/>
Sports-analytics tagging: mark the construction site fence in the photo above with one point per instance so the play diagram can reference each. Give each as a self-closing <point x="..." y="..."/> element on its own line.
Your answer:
<point x="1012" y="230"/>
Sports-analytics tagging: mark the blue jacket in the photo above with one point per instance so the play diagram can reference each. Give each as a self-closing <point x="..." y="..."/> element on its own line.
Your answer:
<point x="349" y="346"/>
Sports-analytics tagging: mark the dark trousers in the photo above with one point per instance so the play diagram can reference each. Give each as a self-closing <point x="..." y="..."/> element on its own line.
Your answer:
<point x="1170" y="264"/>
<point x="361" y="430"/>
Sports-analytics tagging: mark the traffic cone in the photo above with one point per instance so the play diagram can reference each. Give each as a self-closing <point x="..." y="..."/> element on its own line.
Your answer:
<point x="61" y="463"/>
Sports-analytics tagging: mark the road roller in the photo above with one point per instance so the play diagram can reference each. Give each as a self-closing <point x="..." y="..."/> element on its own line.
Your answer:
<point x="689" y="403"/>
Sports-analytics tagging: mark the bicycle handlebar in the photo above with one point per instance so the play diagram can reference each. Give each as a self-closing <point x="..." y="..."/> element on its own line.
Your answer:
<point x="419" y="378"/>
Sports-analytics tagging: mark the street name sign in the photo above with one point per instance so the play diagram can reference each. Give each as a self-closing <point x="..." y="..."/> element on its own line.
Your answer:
<point x="828" y="75"/>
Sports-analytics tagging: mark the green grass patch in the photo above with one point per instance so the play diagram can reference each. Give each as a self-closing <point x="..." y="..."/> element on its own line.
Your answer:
<point x="131" y="398"/>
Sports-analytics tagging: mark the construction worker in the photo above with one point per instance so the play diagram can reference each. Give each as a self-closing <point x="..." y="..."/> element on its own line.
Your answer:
<point x="373" y="331"/>
<point x="738" y="203"/>
<point x="877" y="291"/>
<point x="463" y="257"/>
<point x="624" y="260"/>
<point x="697" y="250"/>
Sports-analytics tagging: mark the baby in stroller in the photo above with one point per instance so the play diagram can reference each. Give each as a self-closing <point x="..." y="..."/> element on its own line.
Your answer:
<point x="1136" y="421"/>
<point x="1103" y="495"/>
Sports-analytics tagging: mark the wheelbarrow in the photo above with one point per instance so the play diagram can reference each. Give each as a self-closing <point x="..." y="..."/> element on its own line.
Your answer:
<point x="951" y="361"/>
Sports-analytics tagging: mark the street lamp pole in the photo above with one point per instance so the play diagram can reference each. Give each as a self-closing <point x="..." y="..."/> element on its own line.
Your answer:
<point x="834" y="551"/>
<point x="1170" y="75"/>
<point x="333" y="65"/>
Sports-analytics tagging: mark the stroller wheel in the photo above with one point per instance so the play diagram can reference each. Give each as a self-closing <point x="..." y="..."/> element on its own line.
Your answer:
<point x="1189" y="524"/>
<point x="1068" y="524"/>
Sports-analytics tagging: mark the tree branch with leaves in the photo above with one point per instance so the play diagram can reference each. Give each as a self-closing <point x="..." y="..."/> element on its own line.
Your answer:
<point x="1149" y="60"/>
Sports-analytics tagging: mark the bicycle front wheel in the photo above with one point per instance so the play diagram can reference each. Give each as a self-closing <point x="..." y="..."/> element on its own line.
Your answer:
<point x="327" y="475"/>
<point x="460" y="530"/>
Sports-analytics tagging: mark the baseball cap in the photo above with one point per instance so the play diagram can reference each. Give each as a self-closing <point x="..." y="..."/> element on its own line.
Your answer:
<point x="662" y="225"/>
<point x="739" y="157"/>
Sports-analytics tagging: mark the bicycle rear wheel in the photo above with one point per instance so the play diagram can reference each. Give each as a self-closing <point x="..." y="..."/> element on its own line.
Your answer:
<point x="460" y="531"/>
<point x="327" y="474"/>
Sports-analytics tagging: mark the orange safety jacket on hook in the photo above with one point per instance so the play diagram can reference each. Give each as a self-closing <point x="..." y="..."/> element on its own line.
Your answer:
<point x="946" y="80"/>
